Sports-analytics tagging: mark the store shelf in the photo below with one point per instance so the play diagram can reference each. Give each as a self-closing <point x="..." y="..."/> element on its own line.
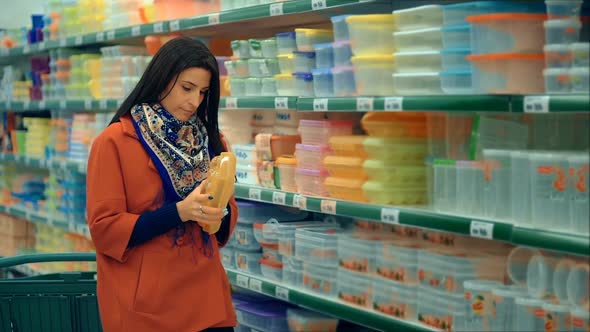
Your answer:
<point x="69" y="165"/>
<point x="326" y="305"/>
<point x="37" y="218"/>
<point x="88" y="105"/>
<point x="258" y="103"/>
<point x="551" y="103"/>
<point x="481" y="103"/>
<point x="474" y="227"/>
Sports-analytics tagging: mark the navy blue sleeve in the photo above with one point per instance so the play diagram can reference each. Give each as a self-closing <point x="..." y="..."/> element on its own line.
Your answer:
<point x="153" y="223"/>
<point x="222" y="234"/>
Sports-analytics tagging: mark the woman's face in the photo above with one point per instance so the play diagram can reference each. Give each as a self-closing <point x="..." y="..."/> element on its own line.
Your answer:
<point x="183" y="98"/>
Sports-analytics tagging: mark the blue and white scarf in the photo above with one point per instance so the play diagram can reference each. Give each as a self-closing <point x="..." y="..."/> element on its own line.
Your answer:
<point x="179" y="150"/>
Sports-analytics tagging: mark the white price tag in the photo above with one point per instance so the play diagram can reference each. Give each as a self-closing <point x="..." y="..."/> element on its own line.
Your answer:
<point x="242" y="280"/>
<point x="213" y="18"/>
<point x="364" y="104"/>
<point x="254" y="194"/>
<point x="26" y="49"/>
<point x="175" y="25"/>
<point x="88" y="104"/>
<point x="318" y="4"/>
<point x="78" y="40"/>
<point x="41" y="45"/>
<point x="393" y="104"/>
<point x="302" y="202"/>
<point x="26" y="105"/>
<point x="100" y="37"/>
<point x="536" y="104"/>
<point x="282" y="293"/>
<point x="481" y="229"/>
<point x="111" y="35"/>
<point x="63" y="42"/>
<point x="328" y="206"/>
<point x="159" y="27"/>
<point x="390" y="216"/>
<point x="231" y="103"/>
<point x="62" y="104"/>
<point x="279" y="198"/>
<point x="281" y="103"/>
<point x="42" y="105"/>
<point x="276" y="9"/>
<point x="102" y="104"/>
<point x="320" y="104"/>
<point x="256" y="285"/>
<point x="135" y="31"/>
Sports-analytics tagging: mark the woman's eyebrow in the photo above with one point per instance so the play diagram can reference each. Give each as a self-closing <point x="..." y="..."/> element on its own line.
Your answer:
<point x="191" y="83"/>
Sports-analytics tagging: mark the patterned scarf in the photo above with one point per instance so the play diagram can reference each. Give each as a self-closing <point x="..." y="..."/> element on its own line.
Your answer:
<point x="179" y="149"/>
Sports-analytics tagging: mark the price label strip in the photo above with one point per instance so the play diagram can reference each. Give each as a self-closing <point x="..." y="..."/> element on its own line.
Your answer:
<point x="482" y="229"/>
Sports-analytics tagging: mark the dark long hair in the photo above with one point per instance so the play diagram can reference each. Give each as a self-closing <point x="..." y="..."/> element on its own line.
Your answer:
<point x="174" y="57"/>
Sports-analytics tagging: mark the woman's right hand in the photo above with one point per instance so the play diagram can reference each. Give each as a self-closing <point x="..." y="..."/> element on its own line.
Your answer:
<point x="193" y="208"/>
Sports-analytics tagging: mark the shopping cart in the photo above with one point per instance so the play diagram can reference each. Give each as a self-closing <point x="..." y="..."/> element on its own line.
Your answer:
<point x="57" y="302"/>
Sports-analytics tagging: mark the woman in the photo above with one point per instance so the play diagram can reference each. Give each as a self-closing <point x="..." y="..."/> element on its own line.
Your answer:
<point x="157" y="269"/>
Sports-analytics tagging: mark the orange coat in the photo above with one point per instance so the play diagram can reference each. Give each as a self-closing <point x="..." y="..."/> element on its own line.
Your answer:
<point x="153" y="287"/>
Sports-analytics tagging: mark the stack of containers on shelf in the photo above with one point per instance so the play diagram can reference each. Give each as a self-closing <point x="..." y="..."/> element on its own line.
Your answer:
<point x="236" y="126"/>
<point x="15" y="234"/>
<point x="345" y="166"/>
<point x="91" y="15"/>
<point x="396" y="148"/>
<point x="35" y="34"/>
<point x="317" y="249"/>
<point x="311" y="174"/>
<point x="120" y="70"/>
<point x="567" y="59"/>
<point x="373" y="61"/>
<point x="78" y="86"/>
<point x="286" y="45"/>
<point x="73" y="204"/>
<point x="36" y="137"/>
<point x="10" y="86"/>
<point x="247" y="159"/>
<point x="418" y="50"/>
<point x="82" y="134"/>
<point x="269" y="148"/>
<point x="39" y="66"/>
<point x="26" y="187"/>
<point x="59" y="138"/>
<point x="60" y="64"/>
<point x="119" y="13"/>
<point x="342" y="77"/>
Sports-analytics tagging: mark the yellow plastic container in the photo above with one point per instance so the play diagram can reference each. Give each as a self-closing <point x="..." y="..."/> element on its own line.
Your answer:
<point x="345" y="167"/>
<point x="383" y="193"/>
<point x="385" y="124"/>
<point x="348" y="146"/>
<point x="222" y="174"/>
<point x="306" y="38"/>
<point x="346" y="189"/>
<point x="286" y="174"/>
<point x="373" y="74"/>
<point x="378" y="170"/>
<point x="396" y="151"/>
<point x="378" y="27"/>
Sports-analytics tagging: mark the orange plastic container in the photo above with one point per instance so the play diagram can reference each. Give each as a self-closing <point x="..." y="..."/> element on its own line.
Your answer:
<point x="508" y="73"/>
<point x="351" y="146"/>
<point x="412" y="125"/>
<point x="345" y="167"/>
<point x="222" y="174"/>
<point x="286" y="166"/>
<point x="346" y="189"/>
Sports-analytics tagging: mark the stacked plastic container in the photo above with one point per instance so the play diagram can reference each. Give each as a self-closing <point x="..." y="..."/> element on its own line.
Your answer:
<point x="345" y="167"/>
<point x="118" y="71"/>
<point x="343" y="83"/>
<point x="82" y="135"/>
<point x="78" y="86"/>
<point x="37" y="137"/>
<point x="566" y="54"/>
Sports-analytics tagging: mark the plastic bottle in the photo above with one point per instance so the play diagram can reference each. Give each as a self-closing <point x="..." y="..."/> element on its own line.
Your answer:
<point x="222" y="173"/>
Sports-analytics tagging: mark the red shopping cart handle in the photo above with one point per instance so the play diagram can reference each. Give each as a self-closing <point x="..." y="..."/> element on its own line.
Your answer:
<point x="44" y="258"/>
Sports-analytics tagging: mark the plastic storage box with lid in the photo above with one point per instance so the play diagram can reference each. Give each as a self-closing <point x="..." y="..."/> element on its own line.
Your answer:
<point x="246" y="174"/>
<point x="507" y="33"/>
<point x="270" y="251"/>
<point x="340" y="27"/>
<point x="418" y="40"/>
<point x="480" y="310"/>
<point x="319" y="132"/>
<point x="395" y="148"/>
<point x="311" y="182"/>
<point x="269" y="47"/>
<point x="286" y="42"/>
<point x="398" y="263"/>
<point x="303" y="84"/>
<point x="441" y="310"/>
<point x="563" y="9"/>
<point x="286" y="235"/>
<point x="253" y="86"/>
<point x="323" y="82"/>
<point x="418" y="62"/>
<point x="228" y="257"/>
<point x="581" y="54"/>
<point x="383" y="193"/>
<point x="455" y="59"/>
<point x="237" y="87"/>
<point x="245" y="154"/>
<point x="457" y="13"/>
<point x="245" y="240"/>
<point x="311" y="156"/>
<point x="580" y="194"/>
<point x="268" y="86"/>
<point x="286" y="166"/>
<point x="422" y="17"/>
<point x="562" y="31"/>
<point x="525" y="314"/>
<point x="293" y="276"/>
<point x="580" y="79"/>
<point x="305" y="320"/>
<point x="357" y="255"/>
<point x="557" y="80"/>
<point x="355" y="288"/>
<point x="344" y="82"/>
<point x="456" y="82"/>
<point x="456" y="37"/>
<point x="417" y="83"/>
<point x="317" y="245"/>
<point x="272" y="270"/>
<point x="263" y="316"/>
<point x="324" y="55"/>
<point x="306" y="38"/>
<point x="558" y="56"/>
<point x="580" y="319"/>
<point x="504" y="305"/>
<point x="341" y="53"/>
<point x="348" y="146"/>
<point x="407" y="125"/>
<point x="345" y="167"/>
<point x="345" y="188"/>
<point x="404" y="175"/>
<point x="395" y="299"/>
<point x="320" y="279"/>
<point x="373" y="74"/>
<point x="286" y="85"/>
<point x="248" y="261"/>
<point x="263" y="67"/>
<point x="378" y="26"/>
<point x="444" y="186"/>
<point x="304" y="62"/>
<point x="286" y="63"/>
<point x="508" y="73"/>
<point x="241" y="49"/>
<point x="237" y="68"/>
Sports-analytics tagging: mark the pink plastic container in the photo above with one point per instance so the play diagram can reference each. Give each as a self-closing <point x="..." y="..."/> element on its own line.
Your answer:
<point x="311" y="182"/>
<point x="311" y="156"/>
<point x="319" y="132"/>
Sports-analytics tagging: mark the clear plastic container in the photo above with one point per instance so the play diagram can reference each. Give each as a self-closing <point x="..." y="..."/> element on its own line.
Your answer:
<point x="311" y="156"/>
<point x="507" y="33"/>
<point x="304" y="320"/>
<point x="245" y="239"/>
<point x="319" y="132"/>
<point x="257" y="228"/>
<point x="580" y="319"/>
<point x="237" y="68"/>
<point x="237" y="87"/>
<point x="456" y="37"/>
<point x="345" y="189"/>
<point x="253" y="86"/>
<point x="306" y="38"/>
<point x="320" y="279"/>
<point x="357" y="255"/>
<point x="228" y="257"/>
<point x="508" y="73"/>
<point x="245" y="154"/>
<point x="496" y="189"/>
<point x="269" y="86"/>
<point x="579" y="202"/>
<point x="383" y="193"/>
<point x="248" y="261"/>
<point x="317" y="245"/>
<point x="577" y="285"/>
<point x="340" y="27"/>
<point x="241" y="49"/>
<point x="418" y="62"/>
<point x="397" y="263"/>
<point x="269" y="48"/>
<point x="341" y="53"/>
<point x="455" y="60"/>
<point x="311" y="182"/>
<point x="304" y="62"/>
<point x="478" y="293"/>
<point x="286" y="85"/>
<point x="396" y="150"/>
<point x="441" y="310"/>
<point x="271" y="270"/>
<point x="255" y="48"/>
<point x="457" y="13"/>
<point x="355" y="288"/>
<point x="263" y="67"/>
<point x="246" y="174"/>
<point x="263" y="316"/>
<point x="457" y="82"/>
<point x="526" y="315"/>
<point x="581" y="54"/>
<point x="324" y="55"/>
<point x="557" y="80"/>
<point x="286" y="63"/>
<point x="504" y="306"/>
<point x="395" y="299"/>
<point x="407" y="125"/>
<point x="373" y="74"/>
<point x="323" y="82"/>
<point x="562" y="31"/>
<point x="286" y="235"/>
<point x="303" y="84"/>
<point x="286" y="42"/>
<point x="422" y="17"/>
<point x="348" y="146"/>
<point x="344" y="82"/>
<point x="345" y="167"/>
<point x="286" y="167"/>
<point x="558" y="56"/>
<point x="393" y="174"/>
<point x="580" y="79"/>
<point x="560" y="9"/>
<point x="378" y="26"/>
<point x="445" y="185"/>
<point x="418" y="40"/>
<point x="417" y="83"/>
